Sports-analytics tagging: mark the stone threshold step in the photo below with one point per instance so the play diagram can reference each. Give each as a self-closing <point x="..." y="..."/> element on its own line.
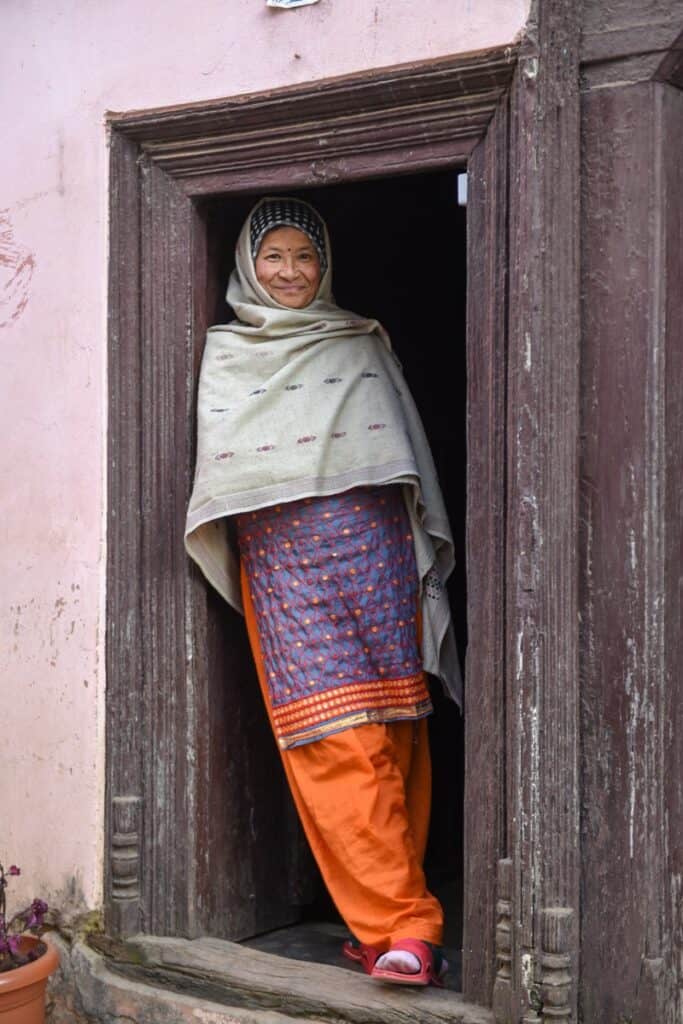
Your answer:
<point x="239" y="977"/>
<point x="85" y="991"/>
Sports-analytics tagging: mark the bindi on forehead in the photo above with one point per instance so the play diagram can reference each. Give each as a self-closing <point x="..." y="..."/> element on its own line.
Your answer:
<point x="288" y="248"/>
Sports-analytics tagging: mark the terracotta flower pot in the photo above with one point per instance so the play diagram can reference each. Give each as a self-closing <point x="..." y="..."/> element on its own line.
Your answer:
<point x="22" y="990"/>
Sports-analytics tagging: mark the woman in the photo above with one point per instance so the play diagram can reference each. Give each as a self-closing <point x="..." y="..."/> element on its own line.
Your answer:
<point x="316" y="511"/>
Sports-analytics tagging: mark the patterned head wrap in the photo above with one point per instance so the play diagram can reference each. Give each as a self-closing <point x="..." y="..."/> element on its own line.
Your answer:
<point x="287" y="212"/>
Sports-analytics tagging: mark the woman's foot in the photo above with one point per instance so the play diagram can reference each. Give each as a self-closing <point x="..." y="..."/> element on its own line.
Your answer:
<point x="411" y="962"/>
<point x="399" y="960"/>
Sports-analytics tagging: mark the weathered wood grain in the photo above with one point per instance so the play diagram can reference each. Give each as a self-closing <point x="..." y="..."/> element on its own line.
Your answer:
<point x="165" y="466"/>
<point x="475" y="79"/>
<point x="542" y="506"/>
<point x="623" y="43"/>
<point x="124" y="614"/>
<point x="614" y="28"/>
<point x="228" y="972"/>
<point x="310" y="169"/>
<point x="485" y="794"/>
<point x="671" y="67"/>
<point x="502" y="987"/>
<point x="631" y="463"/>
<point x="411" y="117"/>
<point x="671" y="510"/>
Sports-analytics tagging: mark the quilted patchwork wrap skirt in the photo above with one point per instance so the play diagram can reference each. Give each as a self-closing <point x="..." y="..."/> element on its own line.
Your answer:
<point x="334" y="586"/>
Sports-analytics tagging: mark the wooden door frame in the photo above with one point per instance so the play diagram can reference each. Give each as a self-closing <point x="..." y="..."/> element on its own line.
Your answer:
<point x="396" y="120"/>
<point x="539" y="878"/>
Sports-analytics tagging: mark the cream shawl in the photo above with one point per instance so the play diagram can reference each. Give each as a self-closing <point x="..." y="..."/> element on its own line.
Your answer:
<point x="294" y="403"/>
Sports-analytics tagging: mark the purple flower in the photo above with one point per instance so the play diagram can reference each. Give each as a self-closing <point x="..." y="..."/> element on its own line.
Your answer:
<point x="11" y="928"/>
<point x="35" y="914"/>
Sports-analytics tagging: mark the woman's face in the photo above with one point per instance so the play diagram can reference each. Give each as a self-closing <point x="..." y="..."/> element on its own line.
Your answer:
<point x="288" y="267"/>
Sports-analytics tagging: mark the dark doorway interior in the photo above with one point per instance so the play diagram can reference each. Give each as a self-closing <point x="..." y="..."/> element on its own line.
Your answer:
<point x="399" y="248"/>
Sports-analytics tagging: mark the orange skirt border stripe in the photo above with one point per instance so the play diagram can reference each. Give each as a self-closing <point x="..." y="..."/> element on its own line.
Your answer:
<point x="412" y="690"/>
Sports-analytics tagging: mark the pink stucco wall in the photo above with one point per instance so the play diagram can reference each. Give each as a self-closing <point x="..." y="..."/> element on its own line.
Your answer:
<point x="64" y="65"/>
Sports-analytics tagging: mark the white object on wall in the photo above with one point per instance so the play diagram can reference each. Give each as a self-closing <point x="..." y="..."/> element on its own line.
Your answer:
<point x="290" y="3"/>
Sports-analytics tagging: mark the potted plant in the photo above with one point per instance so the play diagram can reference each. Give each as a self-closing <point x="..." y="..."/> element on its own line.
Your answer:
<point x="26" y="962"/>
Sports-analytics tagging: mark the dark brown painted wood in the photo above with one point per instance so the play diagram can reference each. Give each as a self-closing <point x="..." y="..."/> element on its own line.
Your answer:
<point x="465" y="86"/>
<point x="485" y="838"/>
<point x="542" y="505"/>
<point x="612" y="28"/>
<point x="631" y="554"/>
<point x="124" y="622"/>
<point x="671" y="507"/>
<point x="671" y="68"/>
<point x="381" y="122"/>
<point x="165" y="457"/>
<point x="624" y="43"/>
<point x="416" y="156"/>
<point x="610" y="31"/>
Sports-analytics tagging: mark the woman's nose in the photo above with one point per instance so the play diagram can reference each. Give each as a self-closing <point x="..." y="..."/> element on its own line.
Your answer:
<point x="288" y="268"/>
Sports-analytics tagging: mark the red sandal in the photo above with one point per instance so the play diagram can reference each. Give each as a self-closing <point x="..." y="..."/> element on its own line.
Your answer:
<point x="361" y="954"/>
<point x="432" y="970"/>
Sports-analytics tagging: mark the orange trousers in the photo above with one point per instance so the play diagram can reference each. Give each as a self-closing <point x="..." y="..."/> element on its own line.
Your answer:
<point x="363" y="797"/>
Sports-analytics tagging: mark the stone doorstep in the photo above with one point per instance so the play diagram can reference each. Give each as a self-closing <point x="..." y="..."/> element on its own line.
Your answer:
<point x="85" y="991"/>
<point x="151" y="980"/>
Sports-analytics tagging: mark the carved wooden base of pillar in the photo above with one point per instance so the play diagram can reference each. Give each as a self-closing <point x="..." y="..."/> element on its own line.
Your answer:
<point x="125" y="865"/>
<point x="557" y="925"/>
<point x="502" y="986"/>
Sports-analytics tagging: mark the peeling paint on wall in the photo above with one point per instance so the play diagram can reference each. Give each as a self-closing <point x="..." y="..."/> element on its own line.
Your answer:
<point x="17" y="264"/>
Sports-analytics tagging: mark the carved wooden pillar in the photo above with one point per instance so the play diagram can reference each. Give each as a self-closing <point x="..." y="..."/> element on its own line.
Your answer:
<point x="502" y="987"/>
<point x="557" y="927"/>
<point x="125" y="865"/>
<point x="543" y="487"/>
<point x="124" y="726"/>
